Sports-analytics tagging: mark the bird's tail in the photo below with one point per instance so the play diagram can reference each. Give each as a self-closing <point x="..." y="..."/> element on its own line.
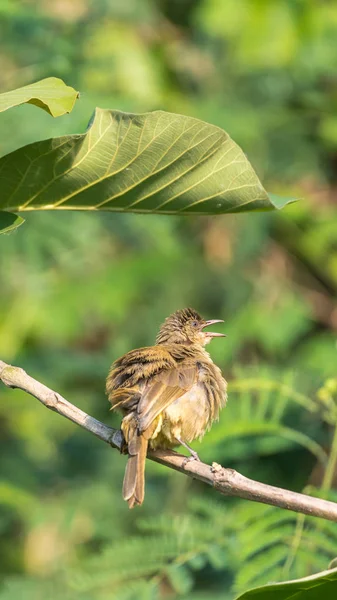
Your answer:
<point x="134" y="478"/>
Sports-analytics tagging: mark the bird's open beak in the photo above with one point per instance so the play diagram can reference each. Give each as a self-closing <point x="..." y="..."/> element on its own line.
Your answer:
<point x="212" y="333"/>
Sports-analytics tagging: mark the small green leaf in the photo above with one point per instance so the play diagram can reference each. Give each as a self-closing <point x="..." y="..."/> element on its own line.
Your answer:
<point x="315" y="587"/>
<point x="155" y="162"/>
<point x="9" y="222"/>
<point x="180" y="578"/>
<point x="51" y="94"/>
<point x="197" y="562"/>
<point x="279" y="201"/>
<point x="217" y="557"/>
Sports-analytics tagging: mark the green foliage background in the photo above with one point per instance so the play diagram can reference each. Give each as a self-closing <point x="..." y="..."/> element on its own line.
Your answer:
<point x="78" y="290"/>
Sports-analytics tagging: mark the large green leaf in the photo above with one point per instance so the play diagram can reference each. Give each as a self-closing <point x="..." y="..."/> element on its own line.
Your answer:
<point x="51" y="94"/>
<point x="154" y="163"/>
<point x="315" y="587"/>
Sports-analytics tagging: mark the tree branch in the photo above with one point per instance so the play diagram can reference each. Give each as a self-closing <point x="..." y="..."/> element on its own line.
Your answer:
<point x="225" y="481"/>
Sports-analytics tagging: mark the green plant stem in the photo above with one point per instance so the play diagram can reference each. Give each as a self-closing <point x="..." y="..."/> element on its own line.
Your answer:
<point x="294" y="546"/>
<point x="331" y="466"/>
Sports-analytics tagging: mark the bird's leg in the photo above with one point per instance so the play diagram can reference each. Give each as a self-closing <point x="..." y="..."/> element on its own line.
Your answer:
<point x="194" y="455"/>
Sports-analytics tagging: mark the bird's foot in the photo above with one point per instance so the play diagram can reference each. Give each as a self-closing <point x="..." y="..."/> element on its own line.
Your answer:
<point x="194" y="456"/>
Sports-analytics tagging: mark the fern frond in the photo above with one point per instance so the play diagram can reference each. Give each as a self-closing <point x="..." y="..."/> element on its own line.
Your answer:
<point x="241" y="428"/>
<point x="278" y="545"/>
<point x="213" y="510"/>
<point x="280" y="535"/>
<point x="165" y="555"/>
<point x="317" y="541"/>
<point x="253" y="522"/>
<point x="258" y="384"/>
<point x="256" y="570"/>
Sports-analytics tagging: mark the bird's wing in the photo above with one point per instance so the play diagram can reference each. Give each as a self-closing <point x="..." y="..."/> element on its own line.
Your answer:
<point x="162" y="390"/>
<point x="148" y="380"/>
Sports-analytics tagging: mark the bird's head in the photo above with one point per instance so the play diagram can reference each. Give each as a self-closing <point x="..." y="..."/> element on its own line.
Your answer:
<point x="187" y="327"/>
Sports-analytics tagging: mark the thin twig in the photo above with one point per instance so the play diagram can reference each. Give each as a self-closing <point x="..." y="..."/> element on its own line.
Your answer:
<point x="225" y="481"/>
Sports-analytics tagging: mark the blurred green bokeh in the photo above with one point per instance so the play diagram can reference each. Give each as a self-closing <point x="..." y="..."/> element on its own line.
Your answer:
<point x="78" y="290"/>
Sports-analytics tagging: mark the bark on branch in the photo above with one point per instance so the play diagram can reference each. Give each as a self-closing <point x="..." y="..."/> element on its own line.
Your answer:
<point x="225" y="481"/>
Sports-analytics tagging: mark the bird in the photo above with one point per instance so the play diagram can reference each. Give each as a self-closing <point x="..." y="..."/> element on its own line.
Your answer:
<point x="169" y="394"/>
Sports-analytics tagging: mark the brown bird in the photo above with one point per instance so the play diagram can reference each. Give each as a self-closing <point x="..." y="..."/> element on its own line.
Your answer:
<point x="169" y="394"/>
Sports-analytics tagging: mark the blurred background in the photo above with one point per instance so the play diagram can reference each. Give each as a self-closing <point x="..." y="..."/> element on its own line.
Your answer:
<point x="78" y="290"/>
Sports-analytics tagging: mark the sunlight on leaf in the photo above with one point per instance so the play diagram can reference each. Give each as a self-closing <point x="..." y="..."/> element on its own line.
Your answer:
<point x="154" y="162"/>
<point x="51" y="94"/>
<point x="314" y="587"/>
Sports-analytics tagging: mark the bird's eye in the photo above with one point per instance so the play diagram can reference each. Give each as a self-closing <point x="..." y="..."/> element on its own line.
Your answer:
<point x="194" y="323"/>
